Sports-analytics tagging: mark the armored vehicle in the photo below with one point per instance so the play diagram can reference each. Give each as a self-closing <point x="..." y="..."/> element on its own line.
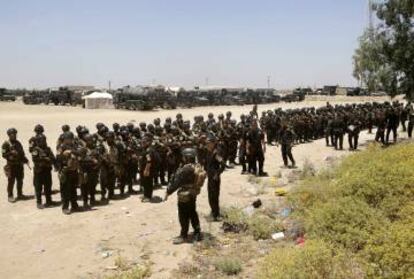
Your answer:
<point x="63" y="96"/>
<point x="4" y="96"/>
<point x="34" y="97"/>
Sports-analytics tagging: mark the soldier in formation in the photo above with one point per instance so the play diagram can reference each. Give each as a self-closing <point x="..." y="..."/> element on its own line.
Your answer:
<point x="120" y="156"/>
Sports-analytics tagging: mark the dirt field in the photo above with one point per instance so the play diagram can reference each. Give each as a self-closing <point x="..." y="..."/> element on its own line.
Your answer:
<point x="47" y="244"/>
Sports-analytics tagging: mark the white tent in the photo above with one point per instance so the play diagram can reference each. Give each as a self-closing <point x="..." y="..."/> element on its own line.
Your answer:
<point x="98" y="100"/>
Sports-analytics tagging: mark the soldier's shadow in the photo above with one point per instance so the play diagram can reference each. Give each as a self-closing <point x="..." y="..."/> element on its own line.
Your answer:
<point x="26" y="198"/>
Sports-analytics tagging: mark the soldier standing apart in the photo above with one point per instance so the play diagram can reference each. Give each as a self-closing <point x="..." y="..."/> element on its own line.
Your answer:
<point x="188" y="180"/>
<point x="68" y="173"/>
<point x="43" y="161"/>
<point x="256" y="148"/>
<point x="353" y="134"/>
<point x="146" y="168"/>
<point x="392" y="124"/>
<point x="12" y="151"/>
<point x="287" y="138"/>
<point x="215" y="165"/>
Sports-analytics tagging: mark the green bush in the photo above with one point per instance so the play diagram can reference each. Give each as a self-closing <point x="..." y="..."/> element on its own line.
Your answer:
<point x="137" y="272"/>
<point x="316" y="259"/>
<point x="364" y="209"/>
<point x="228" y="265"/>
<point x="261" y="226"/>
<point x="390" y="252"/>
<point x="346" y="221"/>
<point x="384" y="179"/>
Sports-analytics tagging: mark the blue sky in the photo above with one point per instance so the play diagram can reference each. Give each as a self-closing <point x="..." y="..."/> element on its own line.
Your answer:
<point x="235" y="43"/>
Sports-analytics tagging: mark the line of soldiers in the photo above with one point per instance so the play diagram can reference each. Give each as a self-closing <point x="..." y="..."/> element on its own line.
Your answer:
<point x="151" y="153"/>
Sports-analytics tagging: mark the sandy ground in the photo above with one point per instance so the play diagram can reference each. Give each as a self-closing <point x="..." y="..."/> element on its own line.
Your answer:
<point x="47" y="244"/>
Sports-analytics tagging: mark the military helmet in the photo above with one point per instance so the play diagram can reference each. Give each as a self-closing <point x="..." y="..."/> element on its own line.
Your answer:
<point x="228" y="113"/>
<point x="39" y="128"/>
<point x="115" y="126"/>
<point x="179" y="116"/>
<point x="11" y="131"/>
<point x="79" y="129"/>
<point x="65" y="128"/>
<point x="157" y="121"/>
<point x="221" y="116"/>
<point x="210" y="115"/>
<point x="130" y="126"/>
<point x="142" y="124"/>
<point x="189" y="152"/>
<point x="242" y="116"/>
<point x="168" y="120"/>
<point x="99" y="125"/>
<point x="150" y="127"/>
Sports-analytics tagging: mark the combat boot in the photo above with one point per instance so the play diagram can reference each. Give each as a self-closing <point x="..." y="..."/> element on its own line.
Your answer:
<point x="179" y="240"/>
<point x="197" y="237"/>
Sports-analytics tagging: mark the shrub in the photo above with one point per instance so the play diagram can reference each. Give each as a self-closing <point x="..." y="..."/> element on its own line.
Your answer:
<point x="235" y="220"/>
<point x="362" y="209"/>
<point x="228" y="265"/>
<point x="137" y="272"/>
<point x="261" y="226"/>
<point x="347" y="222"/>
<point x="317" y="259"/>
<point x="384" y="179"/>
<point x="390" y="252"/>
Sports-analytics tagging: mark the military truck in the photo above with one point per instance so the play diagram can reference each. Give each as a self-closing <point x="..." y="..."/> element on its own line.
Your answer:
<point x="295" y="96"/>
<point x="34" y="97"/>
<point x="329" y="90"/>
<point x="4" y="96"/>
<point x="144" y="98"/>
<point x="63" y="96"/>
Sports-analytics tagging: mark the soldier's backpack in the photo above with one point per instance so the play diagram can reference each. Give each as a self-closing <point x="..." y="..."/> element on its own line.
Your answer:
<point x="199" y="177"/>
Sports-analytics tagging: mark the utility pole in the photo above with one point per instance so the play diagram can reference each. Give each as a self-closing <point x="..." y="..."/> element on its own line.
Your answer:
<point x="109" y="85"/>
<point x="268" y="82"/>
<point x="206" y="81"/>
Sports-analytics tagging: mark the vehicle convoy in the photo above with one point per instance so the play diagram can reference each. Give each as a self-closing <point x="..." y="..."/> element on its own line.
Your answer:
<point x="144" y="98"/>
<point x="34" y="97"/>
<point x="63" y="96"/>
<point x="4" y="96"/>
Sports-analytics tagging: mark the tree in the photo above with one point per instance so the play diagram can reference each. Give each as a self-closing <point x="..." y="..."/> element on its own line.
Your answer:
<point x="370" y="66"/>
<point x="384" y="58"/>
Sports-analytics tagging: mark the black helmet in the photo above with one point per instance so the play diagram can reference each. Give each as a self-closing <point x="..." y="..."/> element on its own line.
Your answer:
<point x="157" y="121"/>
<point x="189" y="152"/>
<point x="130" y="126"/>
<point x="65" y="128"/>
<point x="179" y="116"/>
<point x="11" y="131"/>
<point x="210" y="115"/>
<point x="115" y="126"/>
<point x="228" y="113"/>
<point x="39" y="129"/>
<point x="99" y="125"/>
